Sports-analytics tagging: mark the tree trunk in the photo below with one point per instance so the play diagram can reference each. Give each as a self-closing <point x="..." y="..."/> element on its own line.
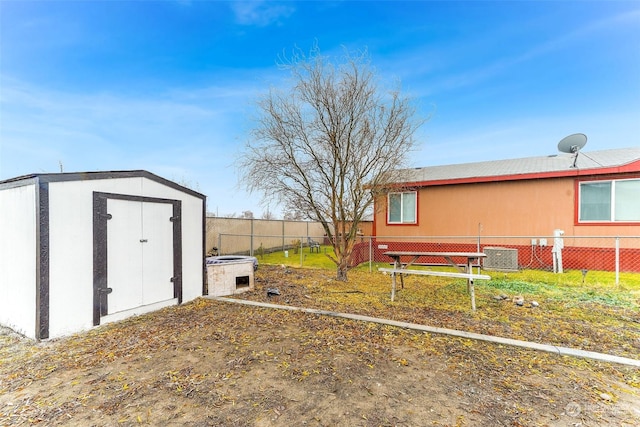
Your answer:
<point x="342" y="274"/>
<point x="343" y="267"/>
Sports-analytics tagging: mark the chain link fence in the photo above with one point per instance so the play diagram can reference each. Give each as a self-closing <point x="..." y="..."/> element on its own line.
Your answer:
<point x="244" y="236"/>
<point x="606" y="259"/>
<point x="248" y="244"/>
<point x="602" y="258"/>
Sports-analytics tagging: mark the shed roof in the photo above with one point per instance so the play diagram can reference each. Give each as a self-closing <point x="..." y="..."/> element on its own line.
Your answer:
<point x="593" y="163"/>
<point x="84" y="176"/>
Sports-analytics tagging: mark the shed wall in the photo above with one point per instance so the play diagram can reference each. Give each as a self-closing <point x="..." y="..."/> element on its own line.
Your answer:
<point x="71" y="245"/>
<point x="18" y="258"/>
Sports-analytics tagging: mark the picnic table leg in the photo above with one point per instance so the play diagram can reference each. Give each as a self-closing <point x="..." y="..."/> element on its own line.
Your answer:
<point x="473" y="294"/>
<point x="470" y="287"/>
<point x="398" y="264"/>
<point x="393" y="286"/>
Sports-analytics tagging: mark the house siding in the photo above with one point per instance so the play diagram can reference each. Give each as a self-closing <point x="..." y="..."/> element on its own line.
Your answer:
<point x="501" y="208"/>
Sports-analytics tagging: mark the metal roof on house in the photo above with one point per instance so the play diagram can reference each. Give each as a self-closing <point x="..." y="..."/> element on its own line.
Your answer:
<point x="524" y="168"/>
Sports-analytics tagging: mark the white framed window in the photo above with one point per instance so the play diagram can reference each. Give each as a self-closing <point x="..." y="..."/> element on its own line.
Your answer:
<point x="609" y="201"/>
<point x="402" y="207"/>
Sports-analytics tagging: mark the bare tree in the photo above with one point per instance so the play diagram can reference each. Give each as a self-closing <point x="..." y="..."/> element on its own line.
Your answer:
<point x="292" y="215"/>
<point x="243" y="215"/>
<point x="267" y="214"/>
<point x="326" y="145"/>
<point x="247" y="215"/>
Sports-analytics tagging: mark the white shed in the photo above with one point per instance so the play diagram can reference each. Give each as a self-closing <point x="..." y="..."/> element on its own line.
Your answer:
<point x="82" y="249"/>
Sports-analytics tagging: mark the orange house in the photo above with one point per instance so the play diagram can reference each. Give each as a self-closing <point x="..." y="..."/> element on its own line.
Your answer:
<point x="583" y="194"/>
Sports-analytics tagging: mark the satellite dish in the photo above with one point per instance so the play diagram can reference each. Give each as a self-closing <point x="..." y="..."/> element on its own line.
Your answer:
<point x="572" y="143"/>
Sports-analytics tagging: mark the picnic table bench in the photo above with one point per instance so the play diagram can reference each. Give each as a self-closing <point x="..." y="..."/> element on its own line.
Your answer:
<point x="464" y="270"/>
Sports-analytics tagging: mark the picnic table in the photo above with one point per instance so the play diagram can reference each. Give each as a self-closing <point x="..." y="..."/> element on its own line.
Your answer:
<point x="464" y="270"/>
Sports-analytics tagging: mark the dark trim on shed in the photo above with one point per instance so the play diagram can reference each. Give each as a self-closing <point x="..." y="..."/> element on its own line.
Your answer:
<point x="177" y="250"/>
<point x="42" y="261"/>
<point x="100" y="244"/>
<point x="205" y="283"/>
<point x="85" y="176"/>
<point x="100" y="217"/>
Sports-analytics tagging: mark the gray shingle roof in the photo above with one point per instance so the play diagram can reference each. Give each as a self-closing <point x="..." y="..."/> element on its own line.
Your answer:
<point x="524" y="166"/>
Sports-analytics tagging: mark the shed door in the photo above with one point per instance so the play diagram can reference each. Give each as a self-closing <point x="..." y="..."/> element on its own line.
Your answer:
<point x="139" y="254"/>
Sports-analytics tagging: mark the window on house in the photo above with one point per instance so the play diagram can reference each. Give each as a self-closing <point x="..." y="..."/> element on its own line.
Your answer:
<point x="610" y="201"/>
<point x="402" y="208"/>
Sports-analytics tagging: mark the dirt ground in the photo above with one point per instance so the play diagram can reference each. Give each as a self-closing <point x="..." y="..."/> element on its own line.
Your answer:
<point x="211" y="363"/>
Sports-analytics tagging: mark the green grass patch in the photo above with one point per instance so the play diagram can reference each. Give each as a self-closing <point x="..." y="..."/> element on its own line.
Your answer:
<point x="571" y="293"/>
<point x="574" y="298"/>
<point x="571" y="288"/>
<point x="515" y="286"/>
<point x="306" y="258"/>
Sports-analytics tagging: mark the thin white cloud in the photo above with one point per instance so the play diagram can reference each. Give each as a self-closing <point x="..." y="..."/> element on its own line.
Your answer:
<point x="569" y="38"/>
<point x="186" y="136"/>
<point x="414" y="63"/>
<point x="107" y="131"/>
<point x="260" y="12"/>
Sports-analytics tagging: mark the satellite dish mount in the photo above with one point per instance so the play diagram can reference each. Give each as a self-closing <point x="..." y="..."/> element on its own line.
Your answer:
<point x="572" y="144"/>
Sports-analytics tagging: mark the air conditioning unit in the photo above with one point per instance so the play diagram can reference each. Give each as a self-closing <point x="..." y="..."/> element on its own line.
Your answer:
<point x="501" y="259"/>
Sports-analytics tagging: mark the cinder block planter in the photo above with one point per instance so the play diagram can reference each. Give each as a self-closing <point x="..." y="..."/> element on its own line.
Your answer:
<point x="230" y="278"/>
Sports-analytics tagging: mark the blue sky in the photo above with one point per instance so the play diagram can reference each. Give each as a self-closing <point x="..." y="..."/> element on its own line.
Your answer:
<point x="170" y="86"/>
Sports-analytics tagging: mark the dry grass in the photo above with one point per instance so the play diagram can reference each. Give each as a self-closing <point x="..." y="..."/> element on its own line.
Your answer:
<point x="220" y="364"/>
